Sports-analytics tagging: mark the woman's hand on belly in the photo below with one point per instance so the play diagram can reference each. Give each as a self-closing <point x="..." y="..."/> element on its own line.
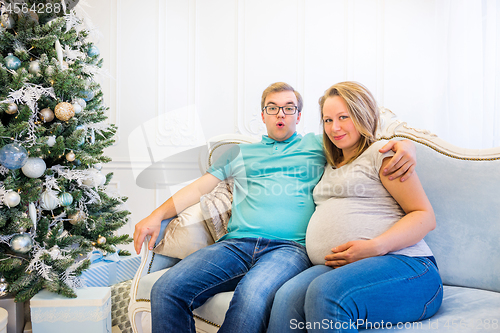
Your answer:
<point x="352" y="251"/>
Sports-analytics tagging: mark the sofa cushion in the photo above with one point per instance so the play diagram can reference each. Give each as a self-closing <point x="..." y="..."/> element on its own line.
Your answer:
<point x="216" y="208"/>
<point x="464" y="196"/>
<point x="185" y="234"/>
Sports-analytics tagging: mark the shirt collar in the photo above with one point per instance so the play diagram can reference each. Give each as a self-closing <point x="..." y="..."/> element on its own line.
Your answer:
<point x="268" y="141"/>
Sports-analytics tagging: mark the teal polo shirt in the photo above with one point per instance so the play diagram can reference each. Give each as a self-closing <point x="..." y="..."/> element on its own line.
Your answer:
<point x="273" y="185"/>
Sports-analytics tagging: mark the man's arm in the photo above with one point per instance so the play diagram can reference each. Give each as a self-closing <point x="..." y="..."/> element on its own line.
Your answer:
<point x="184" y="198"/>
<point x="403" y="163"/>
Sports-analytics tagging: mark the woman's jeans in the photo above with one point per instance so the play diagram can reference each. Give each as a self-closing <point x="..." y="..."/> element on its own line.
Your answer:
<point x="377" y="292"/>
<point x="255" y="268"/>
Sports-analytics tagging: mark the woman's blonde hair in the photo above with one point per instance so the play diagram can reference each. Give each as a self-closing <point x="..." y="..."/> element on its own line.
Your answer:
<point x="363" y="111"/>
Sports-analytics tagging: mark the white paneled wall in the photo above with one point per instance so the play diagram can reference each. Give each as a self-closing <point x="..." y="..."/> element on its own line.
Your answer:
<point x="182" y="71"/>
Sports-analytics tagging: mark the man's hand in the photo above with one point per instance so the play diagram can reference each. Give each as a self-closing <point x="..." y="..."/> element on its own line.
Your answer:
<point x="149" y="226"/>
<point x="403" y="163"/>
<point x="352" y="251"/>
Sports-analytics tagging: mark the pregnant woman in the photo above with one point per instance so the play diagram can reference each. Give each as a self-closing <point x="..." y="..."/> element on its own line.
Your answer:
<point x="372" y="267"/>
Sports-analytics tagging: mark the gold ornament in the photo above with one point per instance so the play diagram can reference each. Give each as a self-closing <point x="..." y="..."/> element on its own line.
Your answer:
<point x="76" y="217"/>
<point x="70" y="156"/>
<point x="64" y="111"/>
<point x="12" y="108"/>
<point x="101" y="240"/>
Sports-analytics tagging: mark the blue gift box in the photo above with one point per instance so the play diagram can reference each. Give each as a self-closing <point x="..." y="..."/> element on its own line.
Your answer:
<point x="102" y="273"/>
<point x="90" y="311"/>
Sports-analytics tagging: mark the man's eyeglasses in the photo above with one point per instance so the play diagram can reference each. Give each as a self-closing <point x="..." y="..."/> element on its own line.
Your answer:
<point x="274" y="110"/>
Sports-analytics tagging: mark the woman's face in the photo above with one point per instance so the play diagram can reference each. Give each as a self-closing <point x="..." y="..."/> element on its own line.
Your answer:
<point x="339" y="126"/>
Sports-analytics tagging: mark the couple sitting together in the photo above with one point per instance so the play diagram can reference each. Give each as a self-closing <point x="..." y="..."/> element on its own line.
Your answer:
<point x="340" y="248"/>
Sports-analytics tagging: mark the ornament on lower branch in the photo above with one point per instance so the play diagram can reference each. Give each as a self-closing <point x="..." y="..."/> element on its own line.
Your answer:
<point x="21" y="243"/>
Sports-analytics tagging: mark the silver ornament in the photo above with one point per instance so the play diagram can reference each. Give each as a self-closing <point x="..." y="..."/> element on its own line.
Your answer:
<point x="12" y="108"/>
<point x="34" y="167"/>
<point x="21" y="243"/>
<point x="4" y="287"/>
<point x="34" y="67"/>
<point x="46" y="115"/>
<point x="11" y="199"/>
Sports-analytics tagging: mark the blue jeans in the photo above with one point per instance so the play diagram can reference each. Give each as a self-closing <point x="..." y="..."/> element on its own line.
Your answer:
<point x="255" y="268"/>
<point x="384" y="290"/>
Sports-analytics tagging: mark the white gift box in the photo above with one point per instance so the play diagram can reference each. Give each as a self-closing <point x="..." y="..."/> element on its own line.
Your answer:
<point x="90" y="311"/>
<point x="4" y="317"/>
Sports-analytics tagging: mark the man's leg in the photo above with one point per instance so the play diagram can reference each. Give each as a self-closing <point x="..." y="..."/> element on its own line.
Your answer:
<point x="193" y="280"/>
<point x="274" y="263"/>
<point x="287" y="314"/>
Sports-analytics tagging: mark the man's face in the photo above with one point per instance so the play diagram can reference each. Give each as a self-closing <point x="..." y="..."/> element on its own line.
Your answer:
<point x="281" y="126"/>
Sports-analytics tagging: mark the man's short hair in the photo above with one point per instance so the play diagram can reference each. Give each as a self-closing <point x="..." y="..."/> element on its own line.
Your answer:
<point x="279" y="87"/>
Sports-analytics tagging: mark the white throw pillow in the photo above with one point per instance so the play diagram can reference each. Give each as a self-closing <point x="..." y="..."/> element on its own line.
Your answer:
<point x="185" y="234"/>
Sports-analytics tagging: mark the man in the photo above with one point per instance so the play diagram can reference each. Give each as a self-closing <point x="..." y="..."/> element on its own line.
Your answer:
<point x="264" y="246"/>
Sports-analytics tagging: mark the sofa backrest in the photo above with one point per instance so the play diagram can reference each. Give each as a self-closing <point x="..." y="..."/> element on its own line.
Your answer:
<point x="463" y="186"/>
<point x="466" y="200"/>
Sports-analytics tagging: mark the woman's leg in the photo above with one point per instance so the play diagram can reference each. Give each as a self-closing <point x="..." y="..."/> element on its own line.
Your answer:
<point x="377" y="292"/>
<point x="287" y="314"/>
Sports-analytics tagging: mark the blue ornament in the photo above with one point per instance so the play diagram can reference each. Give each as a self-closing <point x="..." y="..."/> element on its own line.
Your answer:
<point x="93" y="51"/>
<point x="12" y="62"/>
<point x="65" y="199"/>
<point x="88" y="95"/>
<point x="13" y="156"/>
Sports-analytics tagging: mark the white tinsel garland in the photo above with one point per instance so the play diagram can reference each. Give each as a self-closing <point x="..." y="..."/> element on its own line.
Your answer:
<point x="29" y="95"/>
<point x="69" y="277"/>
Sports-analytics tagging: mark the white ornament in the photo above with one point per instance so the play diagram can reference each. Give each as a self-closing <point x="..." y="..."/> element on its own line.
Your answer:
<point x="94" y="178"/>
<point x="33" y="213"/>
<point x="51" y="140"/>
<point x="59" y="52"/>
<point x="77" y="107"/>
<point x="34" y="167"/>
<point x="82" y="102"/>
<point x="11" y="199"/>
<point x="97" y="166"/>
<point x="49" y="200"/>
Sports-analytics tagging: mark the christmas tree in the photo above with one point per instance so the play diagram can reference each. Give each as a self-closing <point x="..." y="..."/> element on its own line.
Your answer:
<point x="54" y="206"/>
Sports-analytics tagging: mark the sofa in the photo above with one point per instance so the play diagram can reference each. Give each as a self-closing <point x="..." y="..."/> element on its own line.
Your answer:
<point x="463" y="186"/>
